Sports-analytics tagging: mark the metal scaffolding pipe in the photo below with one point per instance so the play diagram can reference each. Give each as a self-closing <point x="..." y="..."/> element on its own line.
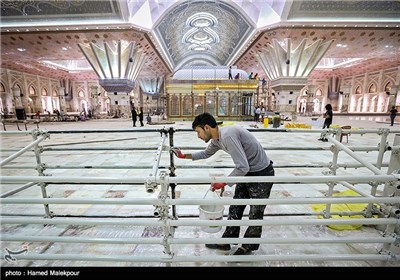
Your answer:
<point x="270" y="148"/>
<point x="318" y="131"/>
<point x="202" y="179"/>
<point x="351" y="187"/>
<point x="285" y="165"/>
<point x="150" y="186"/>
<point x="210" y="258"/>
<point x="23" y="150"/>
<point x="174" y="240"/>
<point x="304" y="131"/>
<point x="28" y="132"/>
<point x="356" y="157"/>
<point x="108" y="148"/>
<point x="222" y="201"/>
<point x="196" y="222"/>
<point x="17" y="190"/>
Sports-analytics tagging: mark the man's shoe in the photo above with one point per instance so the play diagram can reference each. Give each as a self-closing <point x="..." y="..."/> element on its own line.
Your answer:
<point x="242" y="251"/>
<point x="223" y="247"/>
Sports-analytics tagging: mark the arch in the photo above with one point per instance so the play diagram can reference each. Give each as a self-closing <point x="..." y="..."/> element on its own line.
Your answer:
<point x="55" y="93"/>
<point x="388" y="86"/>
<point x="318" y="92"/>
<point x="372" y="88"/>
<point x="44" y="92"/>
<point x="2" y="87"/>
<point x="18" y="86"/>
<point x="32" y="90"/>
<point x="357" y="90"/>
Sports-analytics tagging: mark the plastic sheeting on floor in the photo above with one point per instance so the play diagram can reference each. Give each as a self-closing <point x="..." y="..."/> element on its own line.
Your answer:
<point x="343" y="207"/>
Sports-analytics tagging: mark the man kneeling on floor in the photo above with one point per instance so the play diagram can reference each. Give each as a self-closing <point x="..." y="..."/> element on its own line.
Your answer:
<point x="250" y="159"/>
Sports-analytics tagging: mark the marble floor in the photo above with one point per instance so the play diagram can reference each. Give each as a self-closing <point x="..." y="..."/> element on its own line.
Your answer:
<point x="67" y="154"/>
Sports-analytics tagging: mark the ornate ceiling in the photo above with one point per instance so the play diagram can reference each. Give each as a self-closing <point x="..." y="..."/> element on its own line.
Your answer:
<point x="42" y="37"/>
<point x="202" y="33"/>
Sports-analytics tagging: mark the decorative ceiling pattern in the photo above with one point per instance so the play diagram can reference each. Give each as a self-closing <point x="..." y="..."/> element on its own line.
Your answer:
<point x="41" y="37"/>
<point x="344" y="9"/>
<point x="202" y="33"/>
<point x="34" y="49"/>
<point x="46" y="11"/>
<point x="377" y="48"/>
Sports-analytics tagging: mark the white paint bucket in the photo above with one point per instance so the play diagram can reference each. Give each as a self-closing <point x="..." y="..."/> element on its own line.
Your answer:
<point x="211" y="212"/>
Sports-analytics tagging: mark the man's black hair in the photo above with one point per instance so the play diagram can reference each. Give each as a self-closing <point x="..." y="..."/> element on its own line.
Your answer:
<point x="328" y="107"/>
<point x="203" y="119"/>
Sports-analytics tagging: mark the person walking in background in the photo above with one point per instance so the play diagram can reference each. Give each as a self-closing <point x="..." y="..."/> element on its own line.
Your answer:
<point x="134" y="114"/>
<point x="141" y="116"/>
<point x="393" y="113"/>
<point x="328" y="116"/>
<point x="250" y="159"/>
<point x="148" y="118"/>
<point x="230" y="73"/>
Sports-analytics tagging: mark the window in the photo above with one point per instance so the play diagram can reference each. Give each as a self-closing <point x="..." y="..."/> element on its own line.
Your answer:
<point x="174" y="105"/>
<point x="223" y="101"/>
<point x="210" y="103"/>
<point x="235" y="104"/>
<point x="32" y="90"/>
<point x="44" y="91"/>
<point x="198" y="104"/>
<point x="388" y="86"/>
<point x="187" y="105"/>
<point x="372" y="88"/>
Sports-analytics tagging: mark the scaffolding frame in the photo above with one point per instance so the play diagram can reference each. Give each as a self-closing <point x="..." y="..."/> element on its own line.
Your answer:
<point x="388" y="211"/>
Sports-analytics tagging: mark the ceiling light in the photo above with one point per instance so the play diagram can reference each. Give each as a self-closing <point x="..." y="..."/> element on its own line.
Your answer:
<point x="21" y="49"/>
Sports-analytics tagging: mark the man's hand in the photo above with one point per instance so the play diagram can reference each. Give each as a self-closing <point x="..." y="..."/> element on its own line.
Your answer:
<point x="217" y="186"/>
<point x="178" y="152"/>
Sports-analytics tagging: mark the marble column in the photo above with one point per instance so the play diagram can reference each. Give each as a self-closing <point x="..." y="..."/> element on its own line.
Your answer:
<point x="63" y="104"/>
<point x="94" y="102"/>
<point x="17" y="103"/>
<point x="345" y="98"/>
<point x="393" y="96"/>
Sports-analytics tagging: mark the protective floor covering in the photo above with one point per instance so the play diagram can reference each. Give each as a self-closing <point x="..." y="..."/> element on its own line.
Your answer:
<point x="139" y="161"/>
